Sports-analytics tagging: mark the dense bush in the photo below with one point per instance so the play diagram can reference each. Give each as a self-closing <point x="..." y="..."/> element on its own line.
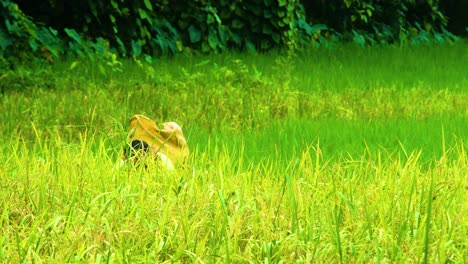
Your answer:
<point x="52" y="28"/>
<point x="386" y="21"/>
<point x="18" y="33"/>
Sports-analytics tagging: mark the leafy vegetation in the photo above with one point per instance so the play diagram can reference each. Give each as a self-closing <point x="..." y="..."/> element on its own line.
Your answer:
<point x="344" y="155"/>
<point x="95" y="29"/>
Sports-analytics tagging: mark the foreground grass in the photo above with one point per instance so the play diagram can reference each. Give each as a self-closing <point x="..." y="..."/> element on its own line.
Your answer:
<point x="69" y="203"/>
<point x="344" y="155"/>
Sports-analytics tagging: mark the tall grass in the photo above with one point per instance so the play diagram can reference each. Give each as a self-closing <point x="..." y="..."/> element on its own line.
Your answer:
<point x="69" y="203"/>
<point x="343" y="155"/>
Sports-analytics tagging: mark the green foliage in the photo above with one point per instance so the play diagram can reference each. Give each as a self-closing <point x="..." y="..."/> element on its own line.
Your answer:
<point x="261" y="25"/>
<point x="201" y="27"/>
<point x="371" y="22"/>
<point x="19" y="34"/>
<point x="153" y="28"/>
<point x="22" y="38"/>
<point x="134" y="27"/>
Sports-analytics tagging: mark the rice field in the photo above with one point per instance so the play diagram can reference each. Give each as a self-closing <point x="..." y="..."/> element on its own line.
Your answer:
<point x="340" y="155"/>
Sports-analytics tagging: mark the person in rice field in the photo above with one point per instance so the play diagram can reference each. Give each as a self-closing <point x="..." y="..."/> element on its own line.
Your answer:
<point x="166" y="145"/>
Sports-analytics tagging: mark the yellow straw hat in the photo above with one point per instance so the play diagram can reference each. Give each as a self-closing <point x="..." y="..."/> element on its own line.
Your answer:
<point x="168" y="140"/>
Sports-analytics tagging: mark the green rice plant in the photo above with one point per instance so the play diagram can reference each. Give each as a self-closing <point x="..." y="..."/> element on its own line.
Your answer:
<point x="86" y="210"/>
<point x="317" y="158"/>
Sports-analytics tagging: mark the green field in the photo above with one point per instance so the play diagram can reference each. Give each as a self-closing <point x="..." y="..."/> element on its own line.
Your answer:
<point x="347" y="154"/>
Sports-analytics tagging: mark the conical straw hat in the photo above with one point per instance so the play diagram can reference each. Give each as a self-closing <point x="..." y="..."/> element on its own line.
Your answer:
<point x="169" y="140"/>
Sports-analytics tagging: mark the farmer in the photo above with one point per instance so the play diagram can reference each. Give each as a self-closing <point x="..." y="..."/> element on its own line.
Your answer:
<point x="166" y="144"/>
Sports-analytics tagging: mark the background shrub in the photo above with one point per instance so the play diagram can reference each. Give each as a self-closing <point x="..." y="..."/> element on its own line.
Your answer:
<point x="51" y="28"/>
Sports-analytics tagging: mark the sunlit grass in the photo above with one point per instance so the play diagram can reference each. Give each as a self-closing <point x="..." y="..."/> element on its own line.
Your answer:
<point x="69" y="202"/>
<point x="343" y="155"/>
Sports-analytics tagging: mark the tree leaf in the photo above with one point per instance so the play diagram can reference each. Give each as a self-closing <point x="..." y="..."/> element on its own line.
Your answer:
<point x="122" y="48"/>
<point x="250" y="46"/>
<point x="359" y="38"/>
<point x="53" y="31"/>
<point x="318" y="27"/>
<point x="4" y="40"/>
<point x="148" y="5"/>
<point x="114" y="4"/>
<point x="194" y="34"/>
<point x="33" y="44"/>
<point x="143" y="14"/>
<point x="136" y="48"/>
<point x="210" y="19"/>
<point x="73" y="35"/>
<point x="148" y="59"/>
<point x="212" y="40"/>
<point x="222" y="34"/>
